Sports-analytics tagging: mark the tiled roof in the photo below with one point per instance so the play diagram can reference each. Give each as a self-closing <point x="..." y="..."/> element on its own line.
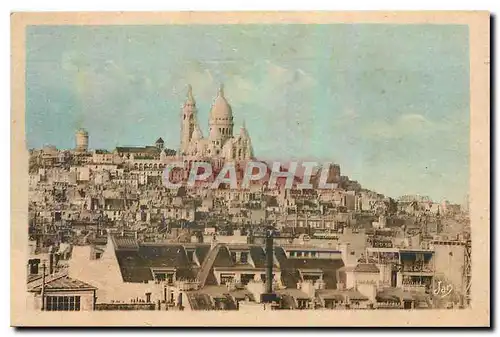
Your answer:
<point x="65" y="283"/>
<point x="32" y="278"/>
<point x="101" y="241"/>
<point x="258" y="256"/>
<point x="354" y="294"/>
<point x="199" y="301"/>
<point x="123" y="242"/>
<point x="136" y="260"/>
<point x="136" y="265"/>
<point x="225" y="302"/>
<point x="223" y="259"/>
<point x="331" y="294"/>
<point x="294" y="292"/>
<point x="393" y="295"/>
<point x="290" y="274"/>
<point x="242" y="294"/>
<point x="211" y="298"/>
<point x="134" y="149"/>
<point x="287" y="302"/>
<point x="366" y="268"/>
<point x="201" y="252"/>
<point x="347" y="269"/>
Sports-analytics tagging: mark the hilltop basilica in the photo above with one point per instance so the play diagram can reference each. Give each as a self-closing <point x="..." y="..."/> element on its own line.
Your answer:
<point x="221" y="143"/>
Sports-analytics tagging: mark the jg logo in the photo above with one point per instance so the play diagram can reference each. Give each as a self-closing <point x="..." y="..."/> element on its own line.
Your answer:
<point x="443" y="290"/>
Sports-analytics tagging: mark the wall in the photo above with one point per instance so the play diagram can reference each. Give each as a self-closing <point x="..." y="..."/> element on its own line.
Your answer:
<point x="385" y="274"/>
<point x="450" y="266"/>
<point x="366" y="277"/>
<point x="86" y="299"/>
<point x="105" y="275"/>
<point x="369" y="290"/>
<point x="256" y="289"/>
<point x="350" y="280"/>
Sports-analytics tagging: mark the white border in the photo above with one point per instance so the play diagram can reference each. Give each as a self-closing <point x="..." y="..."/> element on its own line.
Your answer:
<point x="7" y="6"/>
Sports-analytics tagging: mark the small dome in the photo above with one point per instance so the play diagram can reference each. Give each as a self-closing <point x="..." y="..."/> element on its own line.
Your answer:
<point x="221" y="108"/>
<point x="197" y="135"/>
<point x="82" y="132"/>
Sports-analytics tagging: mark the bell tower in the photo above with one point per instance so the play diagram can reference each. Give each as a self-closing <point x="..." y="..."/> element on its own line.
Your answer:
<point x="188" y="120"/>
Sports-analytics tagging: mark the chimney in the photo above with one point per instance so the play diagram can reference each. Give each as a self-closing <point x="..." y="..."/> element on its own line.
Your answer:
<point x="33" y="266"/>
<point x="269" y="263"/>
<point x="51" y="260"/>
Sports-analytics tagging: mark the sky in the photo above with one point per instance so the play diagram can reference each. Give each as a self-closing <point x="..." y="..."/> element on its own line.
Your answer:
<point x="389" y="103"/>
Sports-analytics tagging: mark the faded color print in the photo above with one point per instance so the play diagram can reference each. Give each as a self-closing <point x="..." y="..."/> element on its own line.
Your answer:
<point x="249" y="168"/>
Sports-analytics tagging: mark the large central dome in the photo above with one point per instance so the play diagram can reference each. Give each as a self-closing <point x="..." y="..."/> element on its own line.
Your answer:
<point x="221" y="108"/>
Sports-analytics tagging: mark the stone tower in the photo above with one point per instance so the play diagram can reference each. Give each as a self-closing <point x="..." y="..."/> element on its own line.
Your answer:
<point x="82" y="140"/>
<point x="188" y="120"/>
<point x="221" y="122"/>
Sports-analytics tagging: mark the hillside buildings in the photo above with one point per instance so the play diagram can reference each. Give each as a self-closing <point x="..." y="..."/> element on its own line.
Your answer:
<point x="107" y="234"/>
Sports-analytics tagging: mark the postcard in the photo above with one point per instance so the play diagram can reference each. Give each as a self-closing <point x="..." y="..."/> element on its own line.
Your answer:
<point x="250" y="169"/>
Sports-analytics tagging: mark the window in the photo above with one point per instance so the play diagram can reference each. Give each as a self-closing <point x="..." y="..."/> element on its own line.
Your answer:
<point x="63" y="303"/>
<point x="160" y="277"/>
<point x="313" y="254"/>
<point x="226" y="278"/>
<point x="299" y="254"/>
<point x="245" y="278"/>
<point x="169" y="278"/>
<point x="244" y="257"/>
<point x="292" y="254"/>
<point x="263" y="277"/>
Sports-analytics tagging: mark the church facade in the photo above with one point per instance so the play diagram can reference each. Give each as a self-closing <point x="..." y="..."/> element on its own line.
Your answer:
<point x="221" y="144"/>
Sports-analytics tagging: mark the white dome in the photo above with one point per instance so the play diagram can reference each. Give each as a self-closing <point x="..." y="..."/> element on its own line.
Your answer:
<point x="221" y="108"/>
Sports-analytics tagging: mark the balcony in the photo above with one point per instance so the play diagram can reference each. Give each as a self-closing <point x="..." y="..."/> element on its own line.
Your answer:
<point x="417" y="269"/>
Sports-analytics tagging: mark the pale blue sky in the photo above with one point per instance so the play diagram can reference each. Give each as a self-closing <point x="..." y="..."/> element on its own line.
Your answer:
<point x="389" y="103"/>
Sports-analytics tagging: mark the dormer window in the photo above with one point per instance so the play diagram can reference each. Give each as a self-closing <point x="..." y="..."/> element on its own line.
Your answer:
<point x="190" y="254"/>
<point x="166" y="275"/>
<point x="239" y="256"/>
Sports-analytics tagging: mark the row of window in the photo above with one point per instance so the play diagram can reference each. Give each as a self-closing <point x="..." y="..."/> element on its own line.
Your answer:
<point x="303" y="254"/>
<point x="62" y="303"/>
<point x="245" y="278"/>
<point x="225" y="131"/>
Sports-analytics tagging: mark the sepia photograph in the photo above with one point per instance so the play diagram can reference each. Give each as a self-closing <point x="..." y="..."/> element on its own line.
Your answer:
<point x="324" y="165"/>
